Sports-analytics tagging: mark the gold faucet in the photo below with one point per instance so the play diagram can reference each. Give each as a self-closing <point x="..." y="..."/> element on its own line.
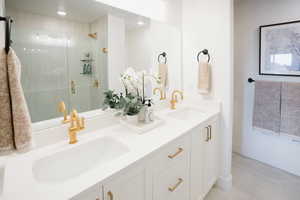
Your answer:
<point x="162" y="93"/>
<point x="62" y="109"/>
<point x="77" y="124"/>
<point x="174" y="99"/>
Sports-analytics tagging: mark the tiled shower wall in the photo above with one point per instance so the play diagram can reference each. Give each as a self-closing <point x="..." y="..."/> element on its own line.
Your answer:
<point x="50" y="50"/>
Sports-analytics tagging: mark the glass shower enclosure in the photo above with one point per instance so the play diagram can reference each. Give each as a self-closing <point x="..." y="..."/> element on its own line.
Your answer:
<point x="62" y="60"/>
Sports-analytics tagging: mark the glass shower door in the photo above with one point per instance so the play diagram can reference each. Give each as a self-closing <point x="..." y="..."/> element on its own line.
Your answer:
<point x="44" y="73"/>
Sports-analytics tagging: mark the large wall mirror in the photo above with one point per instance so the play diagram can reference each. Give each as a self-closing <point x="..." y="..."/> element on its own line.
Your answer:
<point x="74" y="50"/>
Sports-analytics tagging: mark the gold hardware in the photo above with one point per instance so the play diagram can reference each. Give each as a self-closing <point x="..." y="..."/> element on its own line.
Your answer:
<point x="77" y="124"/>
<point x="172" y="189"/>
<point x="162" y="93"/>
<point x="207" y="134"/>
<point x="111" y="196"/>
<point x="62" y="109"/>
<point x="180" y="150"/>
<point x="73" y="87"/>
<point x="96" y="83"/>
<point x="174" y="99"/>
<point x="210" y="135"/>
<point x="93" y="35"/>
<point x="104" y="50"/>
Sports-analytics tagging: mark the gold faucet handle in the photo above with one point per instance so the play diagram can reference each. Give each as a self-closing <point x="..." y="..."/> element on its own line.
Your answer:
<point x="74" y="119"/>
<point x="174" y="95"/>
<point x="62" y="109"/>
<point x="82" y="123"/>
<point x="74" y="114"/>
<point x="162" y="93"/>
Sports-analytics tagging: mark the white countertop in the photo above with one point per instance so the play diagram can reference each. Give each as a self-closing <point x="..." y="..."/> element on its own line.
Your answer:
<point x="19" y="182"/>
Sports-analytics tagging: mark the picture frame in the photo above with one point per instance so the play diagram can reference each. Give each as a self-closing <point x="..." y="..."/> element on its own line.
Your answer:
<point x="279" y="49"/>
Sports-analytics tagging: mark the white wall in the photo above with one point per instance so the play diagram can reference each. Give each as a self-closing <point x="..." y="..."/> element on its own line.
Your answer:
<point x="278" y="151"/>
<point x="167" y="38"/>
<point x="162" y="10"/>
<point x="209" y="24"/>
<point x="116" y="51"/>
<point x="138" y="48"/>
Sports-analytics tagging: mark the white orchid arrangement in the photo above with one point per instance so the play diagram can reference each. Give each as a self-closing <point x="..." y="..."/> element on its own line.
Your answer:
<point x="131" y="81"/>
<point x="134" y="98"/>
<point x="134" y="82"/>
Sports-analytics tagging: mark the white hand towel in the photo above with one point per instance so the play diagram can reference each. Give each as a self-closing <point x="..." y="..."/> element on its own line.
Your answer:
<point x="163" y="74"/>
<point x="15" y="123"/>
<point x="204" y="78"/>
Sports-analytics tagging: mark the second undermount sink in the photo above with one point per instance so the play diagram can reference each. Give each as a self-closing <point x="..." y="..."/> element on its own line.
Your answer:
<point x="187" y="113"/>
<point x="73" y="162"/>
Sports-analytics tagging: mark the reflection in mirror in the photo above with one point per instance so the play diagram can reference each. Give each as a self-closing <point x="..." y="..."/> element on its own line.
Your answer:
<point x="76" y="50"/>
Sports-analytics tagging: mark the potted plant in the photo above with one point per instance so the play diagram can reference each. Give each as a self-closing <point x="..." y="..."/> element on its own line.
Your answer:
<point x="131" y="103"/>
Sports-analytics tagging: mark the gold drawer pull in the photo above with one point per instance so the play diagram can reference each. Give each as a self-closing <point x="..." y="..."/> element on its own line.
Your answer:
<point x="111" y="196"/>
<point x="207" y="134"/>
<point x="172" y="189"/>
<point x="210" y="136"/>
<point x="180" y="150"/>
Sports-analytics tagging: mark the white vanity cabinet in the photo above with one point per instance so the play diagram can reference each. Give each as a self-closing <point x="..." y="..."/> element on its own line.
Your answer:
<point x="131" y="185"/>
<point x="204" y="159"/>
<point x="171" y="171"/>
<point x="93" y="193"/>
<point x="184" y="169"/>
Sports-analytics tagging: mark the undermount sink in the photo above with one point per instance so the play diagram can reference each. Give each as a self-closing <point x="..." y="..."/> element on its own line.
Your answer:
<point x="55" y="135"/>
<point x="1" y="179"/>
<point x="73" y="162"/>
<point x="186" y="113"/>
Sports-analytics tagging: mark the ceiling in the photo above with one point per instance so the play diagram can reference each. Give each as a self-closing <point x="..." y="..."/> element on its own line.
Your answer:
<point x="85" y="11"/>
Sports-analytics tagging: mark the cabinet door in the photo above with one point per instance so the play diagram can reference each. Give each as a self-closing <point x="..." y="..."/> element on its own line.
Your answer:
<point x="130" y="185"/>
<point x="211" y="156"/>
<point x="93" y="193"/>
<point x="172" y="183"/>
<point x="171" y="171"/>
<point x="197" y="163"/>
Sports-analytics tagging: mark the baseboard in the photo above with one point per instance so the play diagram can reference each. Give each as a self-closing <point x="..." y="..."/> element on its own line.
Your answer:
<point x="225" y="183"/>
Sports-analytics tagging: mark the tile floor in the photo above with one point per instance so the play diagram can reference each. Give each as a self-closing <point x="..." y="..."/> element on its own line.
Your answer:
<point x="253" y="180"/>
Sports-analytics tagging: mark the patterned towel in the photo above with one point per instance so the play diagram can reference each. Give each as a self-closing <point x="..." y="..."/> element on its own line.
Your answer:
<point x="267" y="103"/>
<point x="290" y="109"/>
<point x="15" y="122"/>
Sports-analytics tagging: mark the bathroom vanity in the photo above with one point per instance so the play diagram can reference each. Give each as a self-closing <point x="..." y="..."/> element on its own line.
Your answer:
<point x="75" y="53"/>
<point x="178" y="160"/>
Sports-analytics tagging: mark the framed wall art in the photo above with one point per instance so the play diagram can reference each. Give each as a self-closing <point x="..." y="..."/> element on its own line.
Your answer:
<point x="280" y="49"/>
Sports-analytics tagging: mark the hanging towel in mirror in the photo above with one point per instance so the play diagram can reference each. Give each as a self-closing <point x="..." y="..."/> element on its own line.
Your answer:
<point x="15" y="122"/>
<point x="290" y="109"/>
<point x="163" y="74"/>
<point x="267" y="102"/>
<point x="204" y="78"/>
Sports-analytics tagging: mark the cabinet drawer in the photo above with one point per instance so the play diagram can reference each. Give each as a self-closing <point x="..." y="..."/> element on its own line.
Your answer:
<point x="173" y="154"/>
<point x="172" y="183"/>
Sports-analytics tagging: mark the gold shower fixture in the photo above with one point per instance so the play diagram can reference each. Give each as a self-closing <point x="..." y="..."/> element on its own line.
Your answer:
<point x="104" y="50"/>
<point x="93" y="35"/>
